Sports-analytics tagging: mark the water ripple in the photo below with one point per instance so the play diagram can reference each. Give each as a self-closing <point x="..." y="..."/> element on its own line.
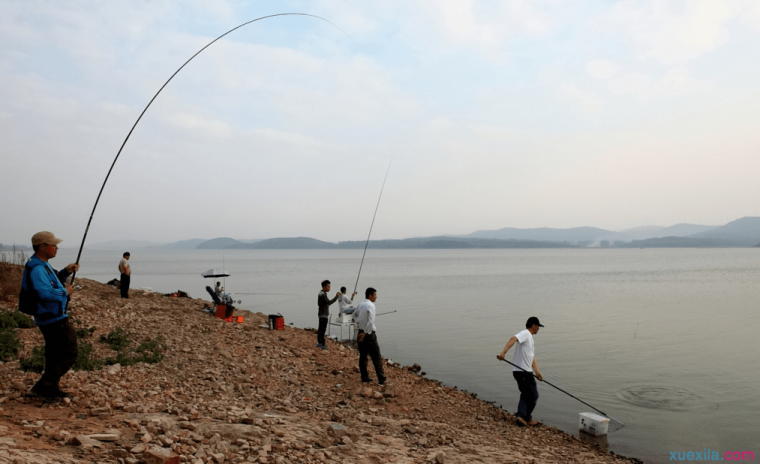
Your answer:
<point x="661" y="397"/>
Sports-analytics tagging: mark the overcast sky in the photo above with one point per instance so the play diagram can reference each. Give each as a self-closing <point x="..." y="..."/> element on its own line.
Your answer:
<point x="494" y="114"/>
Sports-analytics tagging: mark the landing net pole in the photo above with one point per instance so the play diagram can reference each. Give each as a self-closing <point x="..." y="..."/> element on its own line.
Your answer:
<point x="563" y="391"/>
<point x="371" y="225"/>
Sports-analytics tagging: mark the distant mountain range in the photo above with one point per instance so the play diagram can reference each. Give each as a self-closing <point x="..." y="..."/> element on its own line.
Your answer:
<point x="591" y="236"/>
<point x="307" y="243"/>
<point x="744" y="232"/>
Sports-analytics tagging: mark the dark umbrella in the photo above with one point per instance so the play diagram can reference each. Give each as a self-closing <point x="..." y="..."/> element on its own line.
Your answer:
<point x="213" y="273"/>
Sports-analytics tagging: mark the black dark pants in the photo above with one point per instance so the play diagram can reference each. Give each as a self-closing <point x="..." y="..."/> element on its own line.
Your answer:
<point x="60" y="351"/>
<point x="528" y="394"/>
<point x="322" y="330"/>
<point x="125" y="285"/>
<point x="370" y="347"/>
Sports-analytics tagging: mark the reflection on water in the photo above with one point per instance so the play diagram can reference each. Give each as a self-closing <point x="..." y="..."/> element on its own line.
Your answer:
<point x="600" y="441"/>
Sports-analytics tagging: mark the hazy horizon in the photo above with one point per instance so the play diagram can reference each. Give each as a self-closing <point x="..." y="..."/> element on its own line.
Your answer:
<point x="608" y="114"/>
<point x="151" y="243"/>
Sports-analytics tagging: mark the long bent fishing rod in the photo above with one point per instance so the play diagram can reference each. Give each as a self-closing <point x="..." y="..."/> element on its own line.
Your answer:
<point x="563" y="391"/>
<point x="371" y="225"/>
<point x="156" y="95"/>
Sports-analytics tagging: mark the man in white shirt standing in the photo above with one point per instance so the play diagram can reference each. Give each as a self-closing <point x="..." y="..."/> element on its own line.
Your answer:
<point x="365" y="323"/>
<point x="525" y="359"/>
<point x="126" y="275"/>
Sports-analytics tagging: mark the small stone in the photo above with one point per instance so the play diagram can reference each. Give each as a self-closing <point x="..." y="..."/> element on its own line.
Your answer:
<point x="440" y="457"/>
<point x="147" y="438"/>
<point x="337" y="430"/>
<point x="82" y="402"/>
<point x="366" y="392"/>
<point x="104" y="436"/>
<point x="139" y="449"/>
<point x="84" y="440"/>
<point x="160" y="456"/>
<point x="377" y="395"/>
<point x="100" y="411"/>
<point x="120" y="453"/>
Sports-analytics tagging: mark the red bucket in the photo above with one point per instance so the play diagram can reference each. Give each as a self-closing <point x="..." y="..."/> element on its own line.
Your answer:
<point x="276" y="322"/>
<point x="221" y="311"/>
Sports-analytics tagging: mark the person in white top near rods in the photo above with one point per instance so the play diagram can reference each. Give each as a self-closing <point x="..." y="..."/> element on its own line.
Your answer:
<point x="367" y="338"/>
<point x="525" y="366"/>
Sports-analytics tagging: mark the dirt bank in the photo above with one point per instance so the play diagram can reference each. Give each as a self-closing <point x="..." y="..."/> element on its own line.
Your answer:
<point x="227" y="392"/>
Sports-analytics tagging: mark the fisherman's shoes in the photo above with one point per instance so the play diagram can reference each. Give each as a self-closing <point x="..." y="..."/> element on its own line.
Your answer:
<point x="48" y="393"/>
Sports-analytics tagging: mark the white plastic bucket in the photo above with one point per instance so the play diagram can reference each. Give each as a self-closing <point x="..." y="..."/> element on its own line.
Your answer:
<point x="593" y="423"/>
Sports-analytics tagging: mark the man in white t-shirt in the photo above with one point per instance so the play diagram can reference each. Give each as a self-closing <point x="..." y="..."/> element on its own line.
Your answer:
<point x="524" y="373"/>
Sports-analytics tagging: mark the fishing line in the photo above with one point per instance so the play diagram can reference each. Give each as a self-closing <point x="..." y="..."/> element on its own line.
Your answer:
<point x="371" y="225"/>
<point x="568" y="394"/>
<point x="156" y="95"/>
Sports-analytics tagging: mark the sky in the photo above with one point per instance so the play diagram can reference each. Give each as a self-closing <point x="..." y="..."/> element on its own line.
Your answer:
<point x="490" y="114"/>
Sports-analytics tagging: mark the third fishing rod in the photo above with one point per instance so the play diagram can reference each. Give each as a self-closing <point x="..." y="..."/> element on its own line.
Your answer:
<point x="371" y="225"/>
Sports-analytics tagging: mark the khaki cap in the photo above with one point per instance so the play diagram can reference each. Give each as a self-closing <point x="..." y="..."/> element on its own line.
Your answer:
<point x="45" y="237"/>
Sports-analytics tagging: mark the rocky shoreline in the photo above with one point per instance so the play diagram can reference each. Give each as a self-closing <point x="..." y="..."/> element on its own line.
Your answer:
<point x="239" y="392"/>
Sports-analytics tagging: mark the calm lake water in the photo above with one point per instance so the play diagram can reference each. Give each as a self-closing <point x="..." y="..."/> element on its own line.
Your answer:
<point x="664" y="340"/>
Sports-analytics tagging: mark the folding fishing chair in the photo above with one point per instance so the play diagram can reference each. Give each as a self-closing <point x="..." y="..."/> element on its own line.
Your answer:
<point x="219" y="310"/>
<point x="344" y="320"/>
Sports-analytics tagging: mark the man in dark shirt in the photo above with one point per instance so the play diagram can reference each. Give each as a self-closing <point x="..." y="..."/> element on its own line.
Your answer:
<point x="324" y="302"/>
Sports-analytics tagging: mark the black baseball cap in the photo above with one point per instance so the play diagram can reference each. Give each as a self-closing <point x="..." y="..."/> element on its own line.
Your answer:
<point x="533" y="320"/>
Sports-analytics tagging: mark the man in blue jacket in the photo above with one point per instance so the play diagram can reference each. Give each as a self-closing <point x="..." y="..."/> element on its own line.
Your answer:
<point x="45" y="287"/>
